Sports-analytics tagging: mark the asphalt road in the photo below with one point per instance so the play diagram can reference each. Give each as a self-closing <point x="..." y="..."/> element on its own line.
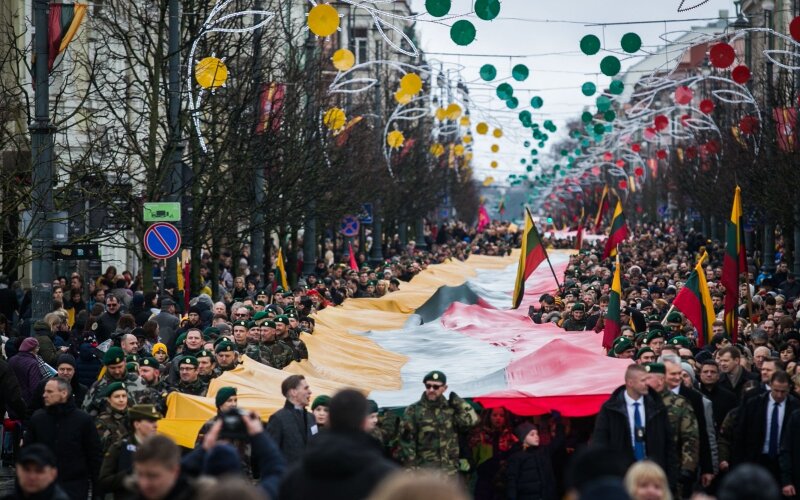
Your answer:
<point x="6" y="480"/>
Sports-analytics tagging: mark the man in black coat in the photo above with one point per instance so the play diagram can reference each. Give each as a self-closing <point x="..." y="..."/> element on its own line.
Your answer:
<point x="756" y="440"/>
<point x="292" y="426"/>
<point x="10" y="394"/>
<point x="71" y="435"/>
<point x="789" y="458"/>
<point x="615" y="424"/>
<point x="734" y="376"/>
<point x="342" y="463"/>
<point x="722" y="400"/>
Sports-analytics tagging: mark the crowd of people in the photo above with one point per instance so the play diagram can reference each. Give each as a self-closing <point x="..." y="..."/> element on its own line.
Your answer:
<point x="84" y="392"/>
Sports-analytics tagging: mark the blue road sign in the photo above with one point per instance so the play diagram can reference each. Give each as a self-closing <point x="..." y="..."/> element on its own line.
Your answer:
<point x="349" y="226"/>
<point x="162" y="240"/>
<point x="365" y="217"/>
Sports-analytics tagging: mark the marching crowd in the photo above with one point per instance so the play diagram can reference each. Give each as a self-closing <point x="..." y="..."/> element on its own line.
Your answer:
<point x="85" y="390"/>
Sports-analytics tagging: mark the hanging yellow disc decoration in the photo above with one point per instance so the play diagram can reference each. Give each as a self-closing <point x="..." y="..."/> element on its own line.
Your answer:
<point x="210" y="73"/>
<point x="466" y="139"/>
<point x="497" y="133"/>
<point x="401" y="97"/>
<point x="334" y="118"/>
<point x="468" y="156"/>
<point x="441" y="114"/>
<point x="343" y="59"/>
<point x="488" y="181"/>
<point x="493" y="164"/>
<point x="458" y="150"/>
<point x="395" y="139"/>
<point x="482" y="128"/>
<point x="437" y="149"/>
<point x="495" y="148"/>
<point x="323" y="20"/>
<point x="453" y="111"/>
<point x="464" y="122"/>
<point x="411" y="83"/>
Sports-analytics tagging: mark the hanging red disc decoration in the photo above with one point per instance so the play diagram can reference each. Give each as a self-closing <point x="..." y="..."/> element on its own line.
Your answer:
<point x="638" y="171"/>
<point x="748" y="124"/>
<point x="707" y="106"/>
<point x="661" y="154"/>
<point x="794" y="28"/>
<point x="661" y="122"/>
<point x="607" y="156"/>
<point x="740" y="74"/>
<point x="623" y="184"/>
<point x="684" y="119"/>
<point x="636" y="148"/>
<point x="683" y="95"/>
<point x="649" y="133"/>
<point x="721" y="55"/>
<point x="711" y="147"/>
<point x="620" y="163"/>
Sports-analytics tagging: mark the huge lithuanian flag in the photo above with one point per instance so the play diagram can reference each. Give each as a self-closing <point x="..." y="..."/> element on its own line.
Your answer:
<point x="531" y="255"/>
<point x="611" y="324"/>
<point x="619" y="231"/>
<point x="694" y="301"/>
<point x="733" y="265"/>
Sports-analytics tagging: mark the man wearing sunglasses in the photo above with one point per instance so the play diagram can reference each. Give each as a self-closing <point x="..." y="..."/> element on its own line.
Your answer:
<point x="430" y="427"/>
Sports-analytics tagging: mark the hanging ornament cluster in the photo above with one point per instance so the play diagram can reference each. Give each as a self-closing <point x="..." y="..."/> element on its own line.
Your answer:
<point x="462" y="32"/>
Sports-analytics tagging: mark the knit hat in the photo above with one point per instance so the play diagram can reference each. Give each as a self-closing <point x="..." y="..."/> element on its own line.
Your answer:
<point x="372" y="406"/>
<point x="65" y="358"/>
<point x="113" y="356"/>
<point x="28" y="344"/>
<point x="321" y="400"/>
<point x="522" y="430"/>
<point x="221" y="460"/>
<point x="688" y="369"/>
<point x="194" y="309"/>
<point x="112" y="388"/>
<point x="41" y="327"/>
<point x="160" y="347"/>
<point x="224" y="394"/>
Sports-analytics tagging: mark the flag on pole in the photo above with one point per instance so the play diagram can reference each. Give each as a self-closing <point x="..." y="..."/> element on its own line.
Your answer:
<point x="618" y="233"/>
<point x="353" y="262"/>
<point x="63" y="23"/>
<point x="281" y="269"/>
<point x="734" y="264"/>
<point x="483" y="218"/>
<point x="611" y="322"/>
<point x="694" y="301"/>
<point x="602" y="208"/>
<point x="531" y="255"/>
<point x="579" y="237"/>
<point x="501" y="207"/>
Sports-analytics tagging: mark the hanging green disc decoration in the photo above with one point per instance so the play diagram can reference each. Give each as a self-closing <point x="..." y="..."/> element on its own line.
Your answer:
<point x="527" y="144"/>
<point x="505" y="91"/>
<point x="631" y="42"/>
<point x="537" y="102"/>
<point x="487" y="9"/>
<point x="529" y="168"/>
<point x="512" y="103"/>
<point x="616" y="87"/>
<point x="525" y="117"/>
<point x="610" y="66"/>
<point x="462" y="32"/>
<point x="609" y="116"/>
<point x="488" y="72"/>
<point x="588" y="89"/>
<point x="437" y="8"/>
<point x="520" y="72"/>
<point x="590" y="45"/>
<point x="586" y="117"/>
<point x="603" y="103"/>
<point x="599" y="129"/>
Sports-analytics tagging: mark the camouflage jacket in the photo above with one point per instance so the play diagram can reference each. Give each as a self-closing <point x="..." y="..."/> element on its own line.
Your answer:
<point x="727" y="435"/>
<point x="685" y="432"/>
<point x="112" y="427"/>
<point x="95" y="401"/>
<point x="429" y="432"/>
<point x="573" y="325"/>
<point x="196" y="388"/>
<point x="253" y="351"/>
<point x="240" y="348"/>
<point x="219" y="370"/>
<point x="156" y="396"/>
<point x="276" y="354"/>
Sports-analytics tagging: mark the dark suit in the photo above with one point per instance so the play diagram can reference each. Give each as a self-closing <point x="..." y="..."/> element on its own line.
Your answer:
<point x="790" y="452"/>
<point x="722" y="402"/>
<point x="751" y="432"/>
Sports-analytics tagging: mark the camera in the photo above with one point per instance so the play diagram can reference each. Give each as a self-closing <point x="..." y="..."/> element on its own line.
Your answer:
<point x="233" y="426"/>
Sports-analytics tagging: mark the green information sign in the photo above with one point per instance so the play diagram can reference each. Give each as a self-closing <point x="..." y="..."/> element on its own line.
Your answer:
<point x="162" y="212"/>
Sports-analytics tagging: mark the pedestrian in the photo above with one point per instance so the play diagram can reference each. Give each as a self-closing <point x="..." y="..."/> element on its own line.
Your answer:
<point x="71" y="435"/>
<point x="112" y="422"/>
<point x="25" y="366"/>
<point x="429" y="434"/>
<point x="292" y="426"/>
<point x="11" y="398"/>
<point x="320" y="408"/>
<point x="492" y="443"/>
<point x="530" y="474"/>
<point x="645" y="480"/>
<point x="168" y="322"/>
<point x="36" y="472"/>
<point x="65" y="368"/>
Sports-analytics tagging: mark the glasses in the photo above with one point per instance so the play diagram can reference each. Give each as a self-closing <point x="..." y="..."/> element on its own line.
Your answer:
<point x="240" y="314"/>
<point x="435" y="387"/>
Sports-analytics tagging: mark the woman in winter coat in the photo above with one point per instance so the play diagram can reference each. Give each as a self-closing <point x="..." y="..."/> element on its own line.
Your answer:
<point x="26" y="367"/>
<point x="530" y="470"/>
<point x="492" y="444"/>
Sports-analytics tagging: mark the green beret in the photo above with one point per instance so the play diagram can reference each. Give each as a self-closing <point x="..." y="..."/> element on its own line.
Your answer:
<point x="655" y="334"/>
<point x="180" y="340"/>
<point x="372" y="405"/>
<point x="205" y="354"/>
<point x="114" y="356"/>
<point x="372" y="283"/>
<point x="150" y="362"/>
<point x="260" y="302"/>
<point x="681" y="341"/>
<point x="291" y="315"/>
<point x="131" y="367"/>
<point x="655" y="368"/>
<point x="261" y="292"/>
<point x="321" y="400"/>
<point x="249" y="308"/>
<point x="622" y="346"/>
<point x="188" y="360"/>
<point x="282" y="319"/>
<point x="112" y="388"/>
<point x="132" y="358"/>
<point x="269" y="323"/>
<point x="259" y="316"/>
<point x="643" y="350"/>
<point x="641" y="337"/>
<point x="241" y="322"/>
<point x="279" y="289"/>
<point x="251" y="324"/>
<point x="435" y="376"/>
<point x="211" y="332"/>
<point x="674" y="317"/>
<point x="224" y="346"/>
<point x="287" y="294"/>
<point x="578" y="306"/>
<point x="224" y="394"/>
<point x="144" y="412"/>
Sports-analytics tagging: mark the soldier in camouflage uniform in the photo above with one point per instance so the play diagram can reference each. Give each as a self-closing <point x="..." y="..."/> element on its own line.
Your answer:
<point x="116" y="371"/>
<point x="253" y="348"/>
<point x="430" y="427"/>
<point x="205" y="365"/>
<point x="112" y="422"/>
<point x="293" y="339"/>
<point x="240" y="335"/>
<point x="275" y="352"/>
<point x="227" y="357"/>
<point x="190" y="382"/>
<point x="149" y="371"/>
<point x="683" y="423"/>
<point x="577" y="318"/>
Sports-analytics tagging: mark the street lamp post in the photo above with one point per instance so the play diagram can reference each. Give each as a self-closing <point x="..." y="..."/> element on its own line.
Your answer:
<point x="769" y="229"/>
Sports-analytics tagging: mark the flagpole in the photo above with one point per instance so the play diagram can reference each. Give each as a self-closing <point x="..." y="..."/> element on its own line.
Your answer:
<point x="544" y="248"/>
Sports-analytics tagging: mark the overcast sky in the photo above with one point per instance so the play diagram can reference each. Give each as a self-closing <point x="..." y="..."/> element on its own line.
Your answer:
<point x="545" y="36"/>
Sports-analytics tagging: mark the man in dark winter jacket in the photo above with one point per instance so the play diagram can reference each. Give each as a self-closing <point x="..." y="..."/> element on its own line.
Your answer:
<point x="70" y="434"/>
<point x="36" y="475"/>
<point x="634" y="422"/>
<point x="10" y="394"/>
<point x="292" y="426"/>
<point x="344" y="463"/>
<point x="65" y="366"/>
